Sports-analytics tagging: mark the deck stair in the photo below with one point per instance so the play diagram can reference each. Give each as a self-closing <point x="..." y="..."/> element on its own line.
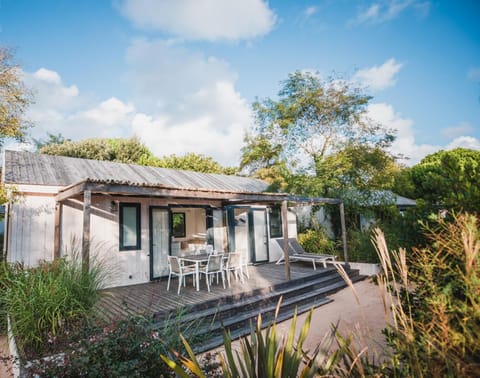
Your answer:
<point x="237" y="312"/>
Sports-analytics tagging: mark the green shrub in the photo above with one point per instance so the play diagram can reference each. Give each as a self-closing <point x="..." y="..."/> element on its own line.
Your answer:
<point x="317" y="241"/>
<point x="46" y="301"/>
<point x="128" y="348"/>
<point x="5" y="278"/>
<point x="360" y="248"/>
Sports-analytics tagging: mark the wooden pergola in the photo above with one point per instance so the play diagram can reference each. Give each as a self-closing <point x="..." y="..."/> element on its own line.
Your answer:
<point x="87" y="187"/>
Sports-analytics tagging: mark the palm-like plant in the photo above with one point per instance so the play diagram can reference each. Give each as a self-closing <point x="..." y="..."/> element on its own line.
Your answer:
<point x="263" y="354"/>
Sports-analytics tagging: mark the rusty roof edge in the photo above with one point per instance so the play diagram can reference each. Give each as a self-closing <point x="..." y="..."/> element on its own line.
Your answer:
<point x="161" y="186"/>
<point x="280" y="196"/>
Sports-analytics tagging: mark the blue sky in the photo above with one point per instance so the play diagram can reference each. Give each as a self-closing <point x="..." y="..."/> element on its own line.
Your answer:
<point x="181" y="75"/>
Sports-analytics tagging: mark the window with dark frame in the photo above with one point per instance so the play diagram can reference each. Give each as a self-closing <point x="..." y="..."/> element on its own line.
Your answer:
<point x="178" y="225"/>
<point x="276" y="230"/>
<point x="130" y="232"/>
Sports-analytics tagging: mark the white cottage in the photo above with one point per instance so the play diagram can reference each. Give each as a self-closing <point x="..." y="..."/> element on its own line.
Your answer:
<point x="134" y="216"/>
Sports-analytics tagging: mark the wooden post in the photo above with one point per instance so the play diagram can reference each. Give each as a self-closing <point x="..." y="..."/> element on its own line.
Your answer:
<point x="285" y="239"/>
<point x="344" y="234"/>
<point x="87" y="209"/>
<point x="56" y="240"/>
<point x="6" y="235"/>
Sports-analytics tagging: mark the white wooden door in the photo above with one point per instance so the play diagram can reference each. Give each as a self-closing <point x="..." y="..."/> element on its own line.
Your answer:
<point x="160" y="241"/>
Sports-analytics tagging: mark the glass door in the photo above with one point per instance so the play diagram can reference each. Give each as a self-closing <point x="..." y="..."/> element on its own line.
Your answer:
<point x="259" y="235"/>
<point x="159" y="241"/>
<point x="219" y="231"/>
<point x="247" y="233"/>
<point x="238" y="231"/>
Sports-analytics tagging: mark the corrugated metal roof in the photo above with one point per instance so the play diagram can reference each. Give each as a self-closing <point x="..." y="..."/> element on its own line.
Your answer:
<point x="22" y="167"/>
<point x="403" y="201"/>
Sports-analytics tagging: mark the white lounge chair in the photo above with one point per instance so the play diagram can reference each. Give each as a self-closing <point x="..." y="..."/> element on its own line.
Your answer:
<point x="297" y="253"/>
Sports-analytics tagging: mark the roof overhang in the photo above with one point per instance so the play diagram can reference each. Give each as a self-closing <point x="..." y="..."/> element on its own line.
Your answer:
<point x="227" y="197"/>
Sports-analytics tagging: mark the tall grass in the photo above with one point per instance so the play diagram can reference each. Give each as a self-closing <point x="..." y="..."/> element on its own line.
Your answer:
<point x="436" y="321"/>
<point x="46" y="301"/>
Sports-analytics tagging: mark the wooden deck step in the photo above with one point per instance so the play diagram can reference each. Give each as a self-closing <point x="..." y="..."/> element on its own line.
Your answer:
<point x="238" y="315"/>
<point x="251" y="298"/>
<point x="217" y="340"/>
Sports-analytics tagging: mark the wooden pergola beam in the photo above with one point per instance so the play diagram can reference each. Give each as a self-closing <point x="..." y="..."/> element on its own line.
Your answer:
<point x="286" y="255"/>
<point x="57" y="230"/>
<point x="160" y="191"/>
<point x="344" y="234"/>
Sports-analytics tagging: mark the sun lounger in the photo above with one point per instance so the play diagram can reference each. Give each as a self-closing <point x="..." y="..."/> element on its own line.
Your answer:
<point x="297" y="253"/>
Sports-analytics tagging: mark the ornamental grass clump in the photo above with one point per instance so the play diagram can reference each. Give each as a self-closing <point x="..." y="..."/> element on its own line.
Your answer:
<point x="436" y="321"/>
<point x="45" y="302"/>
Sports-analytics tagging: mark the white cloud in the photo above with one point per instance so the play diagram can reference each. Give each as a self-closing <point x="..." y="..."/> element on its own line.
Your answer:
<point x="209" y="20"/>
<point x="464" y="142"/>
<point x="59" y="108"/>
<point x="405" y="144"/>
<point x="180" y="102"/>
<point x="187" y="101"/>
<point x="163" y="74"/>
<point x="371" y="13"/>
<point x="379" y="77"/>
<point x="109" y="113"/>
<point x="457" y="131"/>
<point x="310" y="11"/>
<point x="49" y="91"/>
<point x="387" y="10"/>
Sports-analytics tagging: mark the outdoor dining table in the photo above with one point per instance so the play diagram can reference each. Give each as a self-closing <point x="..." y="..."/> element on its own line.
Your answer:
<point x="197" y="260"/>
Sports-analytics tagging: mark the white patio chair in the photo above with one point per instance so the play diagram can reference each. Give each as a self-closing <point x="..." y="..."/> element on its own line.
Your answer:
<point x="214" y="266"/>
<point x="234" y="266"/>
<point x="177" y="269"/>
<point x="244" y="265"/>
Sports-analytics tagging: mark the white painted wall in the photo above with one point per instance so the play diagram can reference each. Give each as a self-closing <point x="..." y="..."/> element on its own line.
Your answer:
<point x="32" y="219"/>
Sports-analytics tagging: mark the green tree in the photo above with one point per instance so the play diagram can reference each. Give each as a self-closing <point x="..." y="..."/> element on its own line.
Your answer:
<point x="194" y="162"/>
<point x="355" y="168"/>
<point x="264" y="162"/>
<point x="14" y="98"/>
<point x="51" y="139"/>
<point x="14" y="101"/>
<point x="132" y="151"/>
<point x="315" y="130"/>
<point x="129" y="150"/>
<point x="449" y="179"/>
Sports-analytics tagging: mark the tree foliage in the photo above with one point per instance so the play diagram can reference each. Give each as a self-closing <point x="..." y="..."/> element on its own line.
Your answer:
<point x="120" y="150"/>
<point x="14" y="98"/>
<point x="193" y="162"/>
<point x="129" y="150"/>
<point x="51" y="139"/>
<point x="449" y="178"/>
<point x="314" y="135"/>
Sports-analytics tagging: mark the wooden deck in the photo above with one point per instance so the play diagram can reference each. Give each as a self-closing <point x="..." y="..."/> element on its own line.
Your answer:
<point x="152" y="298"/>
